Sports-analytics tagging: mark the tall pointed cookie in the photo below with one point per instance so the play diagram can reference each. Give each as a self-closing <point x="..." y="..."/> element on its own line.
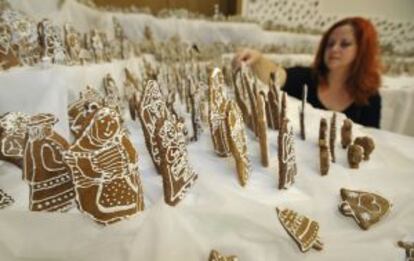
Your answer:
<point x="302" y="229"/>
<point x="48" y="177"/>
<point x="364" y="207"/>
<point x="216" y="256"/>
<point x="104" y="164"/>
<point x="286" y="156"/>
<point x="238" y="141"/>
<point x="177" y="174"/>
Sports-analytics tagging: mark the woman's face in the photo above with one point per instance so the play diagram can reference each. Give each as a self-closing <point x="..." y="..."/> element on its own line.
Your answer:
<point x="341" y="48"/>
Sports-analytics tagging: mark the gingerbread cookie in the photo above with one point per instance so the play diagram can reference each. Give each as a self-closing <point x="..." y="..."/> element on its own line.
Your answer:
<point x="409" y="249"/>
<point x="5" y="200"/>
<point x="73" y="43"/>
<point x="238" y="141"/>
<point x="217" y="114"/>
<point x="346" y="133"/>
<point x="364" y="207"/>
<point x="367" y="144"/>
<point x="216" y="256"/>
<point x="302" y="229"/>
<point x="248" y="85"/>
<point x="13" y="137"/>
<point x="152" y="108"/>
<point x="286" y="156"/>
<point x="81" y="110"/>
<point x="324" y="155"/>
<point x="355" y="155"/>
<point x="112" y="93"/>
<point x="104" y="165"/>
<point x="332" y="136"/>
<point x="51" y="42"/>
<point x="178" y="176"/>
<point x="302" y="112"/>
<point x="242" y="100"/>
<point x="48" y="177"/>
<point x="274" y="101"/>
<point x="262" y="129"/>
<point x="96" y="46"/>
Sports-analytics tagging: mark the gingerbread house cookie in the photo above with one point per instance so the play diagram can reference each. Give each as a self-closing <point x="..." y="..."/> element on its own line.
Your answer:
<point x="5" y="200"/>
<point x="104" y="165"/>
<point x="286" y="155"/>
<point x="48" y="177"/>
<point x="238" y="141"/>
<point x="217" y="114"/>
<point x="216" y="256"/>
<point x="152" y="107"/>
<point x="302" y="229"/>
<point x="364" y="207"/>
<point x="13" y="137"/>
<point x="178" y="175"/>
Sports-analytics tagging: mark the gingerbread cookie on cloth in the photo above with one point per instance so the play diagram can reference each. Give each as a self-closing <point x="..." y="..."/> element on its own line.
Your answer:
<point x="364" y="207"/>
<point x="238" y="141"/>
<point x="48" y="177"/>
<point x="286" y="155"/>
<point x="217" y="113"/>
<point x="262" y="128"/>
<point x="51" y="41"/>
<point x="324" y="155"/>
<point x="13" y="137"/>
<point x="302" y="229"/>
<point x="177" y="174"/>
<point x="104" y="165"/>
<point x="81" y="110"/>
<point x="409" y="249"/>
<point x="5" y="200"/>
<point x="216" y="256"/>
<point x="152" y="107"/>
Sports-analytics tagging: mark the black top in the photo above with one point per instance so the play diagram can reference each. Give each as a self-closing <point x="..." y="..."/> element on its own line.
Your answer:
<point x="368" y="115"/>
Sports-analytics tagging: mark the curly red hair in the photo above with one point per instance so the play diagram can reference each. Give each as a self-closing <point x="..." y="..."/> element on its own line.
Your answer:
<point x="364" y="78"/>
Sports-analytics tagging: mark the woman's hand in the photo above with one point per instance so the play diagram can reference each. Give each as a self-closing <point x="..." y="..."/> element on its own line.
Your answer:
<point x="246" y="56"/>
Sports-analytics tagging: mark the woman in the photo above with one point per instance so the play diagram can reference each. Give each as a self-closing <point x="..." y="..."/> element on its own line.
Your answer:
<point x="345" y="75"/>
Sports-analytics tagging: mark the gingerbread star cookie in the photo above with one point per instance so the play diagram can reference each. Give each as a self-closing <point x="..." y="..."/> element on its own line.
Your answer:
<point x="302" y="229"/>
<point x="364" y="207"/>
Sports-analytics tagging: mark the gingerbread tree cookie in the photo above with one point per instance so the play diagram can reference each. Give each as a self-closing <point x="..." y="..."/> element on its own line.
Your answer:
<point x="152" y="108"/>
<point x="302" y="229"/>
<point x="238" y="141"/>
<point x="364" y="207"/>
<point x="104" y="165"/>
<point x="217" y="114"/>
<point x="48" y="177"/>
<point x="5" y="200"/>
<point x="216" y="256"/>
<point x="286" y="156"/>
<point x="13" y="137"/>
<point x="177" y="174"/>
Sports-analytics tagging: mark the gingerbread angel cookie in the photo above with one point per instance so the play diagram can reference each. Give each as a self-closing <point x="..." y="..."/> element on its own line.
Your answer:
<point x="104" y="165"/>
<point x="286" y="156"/>
<point x="13" y="137"/>
<point x="5" y="200"/>
<point x="364" y="207"/>
<point x="48" y="177"/>
<point x="217" y="114"/>
<point x="238" y="141"/>
<point x="152" y="108"/>
<point x="302" y="229"/>
<point x="216" y="256"/>
<point x="177" y="174"/>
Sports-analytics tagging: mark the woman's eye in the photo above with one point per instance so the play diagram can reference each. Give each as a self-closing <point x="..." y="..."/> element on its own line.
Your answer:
<point x="331" y="44"/>
<point x="345" y="44"/>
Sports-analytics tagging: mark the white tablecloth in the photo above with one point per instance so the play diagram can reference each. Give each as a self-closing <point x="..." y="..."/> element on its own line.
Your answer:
<point x="217" y="212"/>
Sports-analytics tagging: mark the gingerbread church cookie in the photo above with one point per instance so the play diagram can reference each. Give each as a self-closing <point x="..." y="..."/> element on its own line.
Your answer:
<point x="5" y="200"/>
<point x="302" y="229"/>
<point x="177" y="174"/>
<point x="286" y="156"/>
<point x="364" y="207"/>
<point x="104" y="165"/>
<point x="13" y="137"/>
<point x="216" y="256"/>
<point x="217" y="112"/>
<point x="48" y="177"/>
<point x="238" y="141"/>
